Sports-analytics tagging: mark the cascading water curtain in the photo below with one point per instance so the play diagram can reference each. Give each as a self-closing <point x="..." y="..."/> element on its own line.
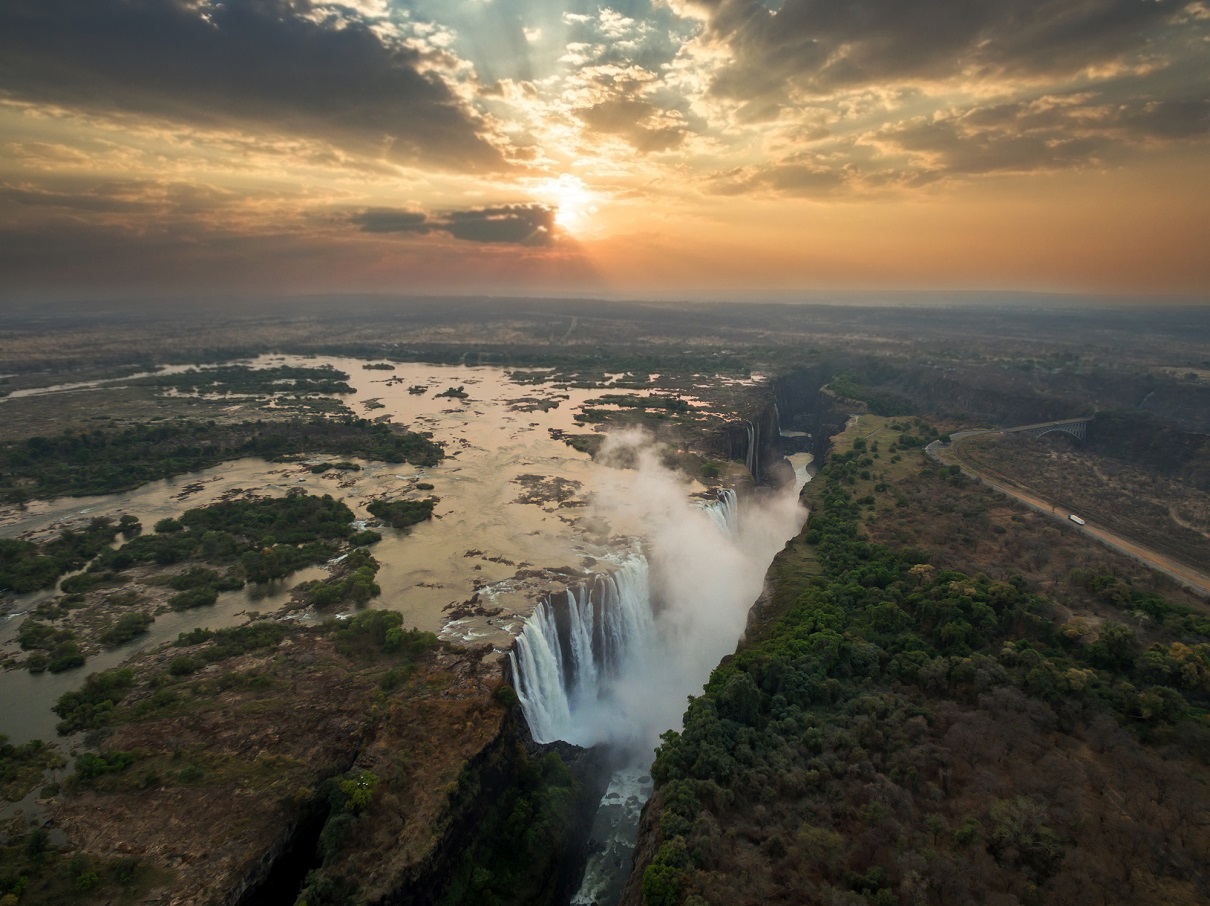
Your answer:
<point x="556" y="669"/>
<point x="576" y="642"/>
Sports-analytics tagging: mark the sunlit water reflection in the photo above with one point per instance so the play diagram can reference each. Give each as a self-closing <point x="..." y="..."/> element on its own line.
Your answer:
<point x="496" y="515"/>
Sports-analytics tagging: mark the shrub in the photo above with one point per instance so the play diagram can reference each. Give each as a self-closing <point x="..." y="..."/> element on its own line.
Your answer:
<point x="194" y="597"/>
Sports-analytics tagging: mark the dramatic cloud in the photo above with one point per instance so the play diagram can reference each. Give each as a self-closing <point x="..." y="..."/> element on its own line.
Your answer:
<point x="1044" y="135"/>
<point x="521" y="143"/>
<point x="277" y="65"/>
<point x="385" y="220"/>
<point x="518" y="224"/>
<point x="819" y="46"/>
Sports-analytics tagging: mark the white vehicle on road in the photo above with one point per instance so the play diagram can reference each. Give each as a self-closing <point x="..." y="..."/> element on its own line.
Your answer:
<point x="1076" y="519"/>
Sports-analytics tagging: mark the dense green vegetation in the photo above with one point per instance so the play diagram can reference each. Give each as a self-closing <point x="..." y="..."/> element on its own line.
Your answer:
<point x="379" y="632"/>
<point x="353" y="582"/>
<point x="90" y="706"/>
<point x="90" y="766"/>
<point x="54" y="648"/>
<point x="126" y="627"/>
<point x="899" y="733"/>
<point x="343" y="465"/>
<point x="254" y="540"/>
<point x="245" y="380"/>
<point x="21" y="767"/>
<point x="402" y="513"/>
<point x="262" y="538"/>
<point x="77" y="464"/>
<point x="520" y="836"/>
<point x="28" y="566"/>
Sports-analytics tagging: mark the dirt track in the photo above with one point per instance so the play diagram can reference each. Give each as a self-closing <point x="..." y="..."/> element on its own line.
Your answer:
<point x="1188" y="576"/>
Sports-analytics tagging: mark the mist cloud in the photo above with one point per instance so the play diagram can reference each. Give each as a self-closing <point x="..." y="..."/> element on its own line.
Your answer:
<point x="703" y="584"/>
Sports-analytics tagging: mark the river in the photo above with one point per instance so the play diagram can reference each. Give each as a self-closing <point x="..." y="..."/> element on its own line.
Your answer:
<point x="513" y="497"/>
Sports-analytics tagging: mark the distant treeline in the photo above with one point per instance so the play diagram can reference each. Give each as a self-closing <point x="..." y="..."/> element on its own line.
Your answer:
<point x="78" y="464"/>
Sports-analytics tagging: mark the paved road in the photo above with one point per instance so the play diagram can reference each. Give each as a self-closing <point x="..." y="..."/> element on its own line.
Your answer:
<point x="1186" y="575"/>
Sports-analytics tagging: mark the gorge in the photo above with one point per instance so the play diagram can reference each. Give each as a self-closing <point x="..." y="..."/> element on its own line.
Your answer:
<point x="660" y="571"/>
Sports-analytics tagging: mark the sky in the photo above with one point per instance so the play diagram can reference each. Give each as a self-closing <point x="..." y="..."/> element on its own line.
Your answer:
<point x="695" y="148"/>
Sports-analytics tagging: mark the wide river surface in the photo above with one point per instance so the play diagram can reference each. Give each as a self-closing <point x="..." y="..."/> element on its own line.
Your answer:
<point x="513" y="498"/>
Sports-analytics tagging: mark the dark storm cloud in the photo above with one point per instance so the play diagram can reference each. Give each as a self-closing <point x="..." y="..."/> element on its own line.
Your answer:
<point x="518" y="224"/>
<point x="823" y="45"/>
<point x="254" y="64"/>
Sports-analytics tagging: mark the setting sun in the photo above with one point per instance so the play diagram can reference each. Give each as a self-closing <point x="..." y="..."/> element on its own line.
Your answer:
<point x="572" y="200"/>
<point x="749" y="146"/>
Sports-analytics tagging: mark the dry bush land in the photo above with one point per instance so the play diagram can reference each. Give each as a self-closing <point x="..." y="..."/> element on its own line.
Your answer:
<point x="1168" y="516"/>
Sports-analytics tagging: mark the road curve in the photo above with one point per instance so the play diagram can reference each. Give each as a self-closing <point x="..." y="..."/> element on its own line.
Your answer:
<point x="1187" y="576"/>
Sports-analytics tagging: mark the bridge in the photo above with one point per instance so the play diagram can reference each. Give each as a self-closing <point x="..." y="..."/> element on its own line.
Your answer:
<point x="1076" y="427"/>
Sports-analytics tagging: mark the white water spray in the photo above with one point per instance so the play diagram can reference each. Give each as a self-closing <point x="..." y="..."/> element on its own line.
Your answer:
<point x="613" y="661"/>
<point x="575" y="646"/>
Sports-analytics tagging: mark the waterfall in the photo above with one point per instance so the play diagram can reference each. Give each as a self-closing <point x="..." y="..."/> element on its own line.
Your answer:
<point x="612" y="661"/>
<point x="540" y="686"/>
<point x="725" y="513"/>
<point x="750" y="455"/>
<point x="566" y="655"/>
<point x="577" y="643"/>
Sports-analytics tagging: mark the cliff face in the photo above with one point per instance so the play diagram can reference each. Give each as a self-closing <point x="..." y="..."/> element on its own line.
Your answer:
<point x="245" y="783"/>
<point x="828" y="417"/>
<point x="559" y="785"/>
<point x="806" y="404"/>
<point x="796" y="393"/>
<point x="483" y="779"/>
<point x="469" y="808"/>
<point x="801" y="403"/>
<point x="756" y="442"/>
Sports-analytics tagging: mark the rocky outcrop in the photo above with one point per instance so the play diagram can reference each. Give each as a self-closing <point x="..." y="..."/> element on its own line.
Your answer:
<point x="803" y="405"/>
<point x="828" y="418"/>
